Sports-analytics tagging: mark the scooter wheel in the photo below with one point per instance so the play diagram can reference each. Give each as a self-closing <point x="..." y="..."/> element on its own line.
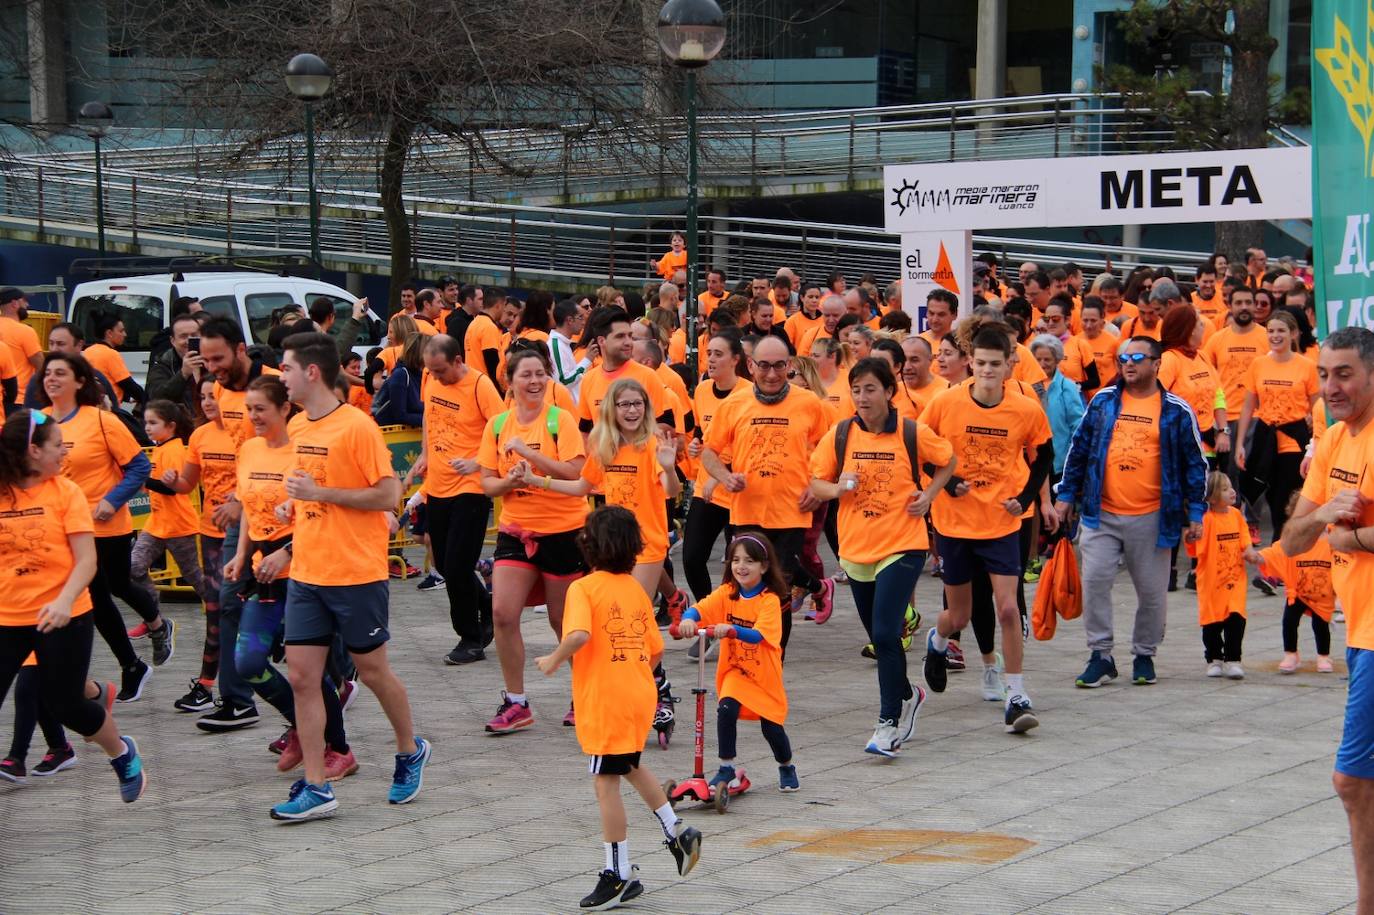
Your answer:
<point x="722" y="799"/>
<point x="668" y="788"/>
<point x="663" y="738"/>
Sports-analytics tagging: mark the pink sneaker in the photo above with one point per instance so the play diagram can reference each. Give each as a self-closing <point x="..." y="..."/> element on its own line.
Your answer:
<point x="1290" y="662"/>
<point x="1324" y="664"/>
<point x="348" y="694"/>
<point x="510" y="717"/>
<point x="569" y="720"/>
<point x="824" y="600"/>
<point x="339" y="765"/>
<point x="291" y="755"/>
<point x="139" y="632"/>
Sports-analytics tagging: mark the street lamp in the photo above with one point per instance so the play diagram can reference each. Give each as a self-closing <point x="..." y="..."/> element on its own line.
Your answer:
<point x="97" y="118"/>
<point x="309" y="79"/>
<point x="691" y="33"/>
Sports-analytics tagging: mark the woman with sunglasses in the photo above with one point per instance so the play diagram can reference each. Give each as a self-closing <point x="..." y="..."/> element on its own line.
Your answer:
<point x="103" y="459"/>
<point x="47" y="559"/>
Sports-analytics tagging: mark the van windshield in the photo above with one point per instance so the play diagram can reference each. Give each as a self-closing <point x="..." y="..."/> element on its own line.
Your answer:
<point x="141" y="314"/>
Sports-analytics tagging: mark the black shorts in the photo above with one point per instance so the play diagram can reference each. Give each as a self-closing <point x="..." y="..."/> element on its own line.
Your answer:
<point x="962" y="557"/>
<point x="419" y="521"/>
<point x="557" y="555"/>
<point x="614" y="764"/>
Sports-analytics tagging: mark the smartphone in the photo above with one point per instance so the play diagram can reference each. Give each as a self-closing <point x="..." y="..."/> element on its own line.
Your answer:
<point x="193" y="345"/>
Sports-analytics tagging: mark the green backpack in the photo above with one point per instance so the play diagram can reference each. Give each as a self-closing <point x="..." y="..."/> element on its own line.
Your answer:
<point x="551" y="420"/>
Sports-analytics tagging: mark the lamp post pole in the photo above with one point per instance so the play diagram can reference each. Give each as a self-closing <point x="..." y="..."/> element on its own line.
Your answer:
<point x="310" y="181"/>
<point x="96" y="118"/>
<point x="693" y="252"/>
<point x="99" y="200"/>
<point x="309" y="79"/>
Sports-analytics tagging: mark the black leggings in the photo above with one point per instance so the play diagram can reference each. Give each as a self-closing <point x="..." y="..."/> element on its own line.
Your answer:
<point x="112" y="579"/>
<point x="1292" y="617"/>
<point x="727" y="724"/>
<point x="457" y="528"/>
<point x="1284" y="478"/>
<point x="29" y="711"/>
<point x="1221" y="641"/>
<point x="64" y="656"/>
<point x="705" y="522"/>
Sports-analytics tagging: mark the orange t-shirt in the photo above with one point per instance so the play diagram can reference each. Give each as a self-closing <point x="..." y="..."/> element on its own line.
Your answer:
<point x="36" y="559"/>
<point x="1127" y="310"/>
<point x="634" y="479"/>
<point x="751" y="674"/>
<point x="23" y="344"/>
<point x="261" y="486"/>
<point x="1284" y="391"/>
<point x="94" y="449"/>
<point x="1101" y="350"/>
<point x="212" y="450"/>
<point x="1306" y="577"/>
<point x="482" y="334"/>
<point x="873" y="521"/>
<point x="810" y="336"/>
<point x="922" y="397"/>
<point x="107" y="362"/>
<point x="598" y="381"/>
<point x="389" y="356"/>
<point x="797" y="326"/>
<point x="671" y="263"/>
<point x="1213" y="309"/>
<point x="707" y="401"/>
<point x="455" y="415"/>
<point x="170" y="515"/>
<point x="233" y="410"/>
<point x="707" y="303"/>
<point x="677" y="347"/>
<point x="1131" y="479"/>
<point x="1220" y="556"/>
<point x="770" y="444"/>
<point x="673" y="382"/>
<point x="536" y="510"/>
<point x="1232" y="354"/>
<point x="613" y="673"/>
<point x="335" y="545"/>
<point x="1340" y="461"/>
<point x="1025" y="368"/>
<point x="1195" y="381"/>
<point x="837" y="395"/>
<point x="990" y="444"/>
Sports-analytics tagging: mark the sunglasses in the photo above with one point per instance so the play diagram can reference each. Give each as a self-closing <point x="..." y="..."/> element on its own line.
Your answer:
<point x="793" y="375"/>
<point x="1137" y="358"/>
<point x="36" y="419"/>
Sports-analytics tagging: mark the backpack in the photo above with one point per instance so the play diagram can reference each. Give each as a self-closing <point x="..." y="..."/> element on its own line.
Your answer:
<point x="908" y="439"/>
<point x="550" y="422"/>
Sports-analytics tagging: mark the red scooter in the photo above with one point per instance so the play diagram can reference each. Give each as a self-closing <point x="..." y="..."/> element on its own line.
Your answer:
<point x="696" y="788"/>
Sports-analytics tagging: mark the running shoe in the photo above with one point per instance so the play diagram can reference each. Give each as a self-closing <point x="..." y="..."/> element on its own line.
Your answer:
<point x="823" y="601"/>
<point x="139" y="632"/>
<point x="132" y="680"/>
<point x="1020" y="718"/>
<point x="409" y="776"/>
<point x="787" y="779"/>
<point x="954" y="657"/>
<point x="1143" y="671"/>
<point x="869" y="651"/>
<point x="994" y="687"/>
<point x="935" y="666"/>
<point x="164" y="642"/>
<point x="1214" y="669"/>
<point x="12" y="770"/>
<point x="348" y="694"/>
<point x="129" y="767"/>
<point x="278" y="746"/>
<point x="841" y="577"/>
<point x="228" y="717"/>
<point x="54" y="761"/>
<point x="611" y="891"/>
<point x="197" y="699"/>
<point x="291" y="754"/>
<point x="1031" y="575"/>
<point x="1324" y="664"/>
<point x="799" y="596"/>
<point x="1191" y="582"/>
<point x="1264" y="585"/>
<point x="105" y="695"/>
<point x="726" y="776"/>
<point x="686" y="849"/>
<point x="484" y="569"/>
<point x="464" y="653"/>
<point x="884" y="741"/>
<point x="906" y="725"/>
<point x="306" y="802"/>
<point x="1101" y="668"/>
<point x="431" y="582"/>
<point x="1290" y="662"/>
<point x="1338" y="616"/>
<point x="510" y="717"/>
<point x="1233" y="670"/>
<point x="338" y="766"/>
<point x="570" y="719"/>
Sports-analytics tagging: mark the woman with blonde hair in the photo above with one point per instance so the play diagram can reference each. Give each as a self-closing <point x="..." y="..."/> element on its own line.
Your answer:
<point x="607" y="296"/>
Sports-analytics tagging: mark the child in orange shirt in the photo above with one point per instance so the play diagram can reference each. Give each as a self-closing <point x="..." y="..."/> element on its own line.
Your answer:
<point x="609" y="631"/>
<point x="1221" y="552"/>
<point x="1307" y="583"/>
<point x="745" y="614"/>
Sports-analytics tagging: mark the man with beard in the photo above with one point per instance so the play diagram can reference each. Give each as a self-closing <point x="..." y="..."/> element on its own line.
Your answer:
<point x="1231" y="350"/>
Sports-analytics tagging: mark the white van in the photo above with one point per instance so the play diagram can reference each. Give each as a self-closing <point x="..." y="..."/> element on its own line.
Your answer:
<point x="144" y="302"/>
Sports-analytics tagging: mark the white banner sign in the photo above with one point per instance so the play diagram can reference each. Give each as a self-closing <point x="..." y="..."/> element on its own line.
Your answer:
<point x="934" y="260"/>
<point x="1214" y="186"/>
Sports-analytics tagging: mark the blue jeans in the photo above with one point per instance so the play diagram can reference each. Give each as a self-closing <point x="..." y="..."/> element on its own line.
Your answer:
<point x="232" y="687"/>
<point x="882" y="609"/>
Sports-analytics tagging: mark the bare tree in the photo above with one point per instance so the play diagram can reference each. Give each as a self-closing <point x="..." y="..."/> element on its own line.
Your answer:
<point x="409" y="74"/>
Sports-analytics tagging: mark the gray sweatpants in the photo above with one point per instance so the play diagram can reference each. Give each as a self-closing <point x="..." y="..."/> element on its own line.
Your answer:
<point x="1133" y="536"/>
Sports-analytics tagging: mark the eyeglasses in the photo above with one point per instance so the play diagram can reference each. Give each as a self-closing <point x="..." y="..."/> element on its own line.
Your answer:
<point x="629" y="405"/>
<point x="793" y="375"/>
<point x="1137" y="358"/>
<point x="36" y="419"/>
<point x="778" y="366"/>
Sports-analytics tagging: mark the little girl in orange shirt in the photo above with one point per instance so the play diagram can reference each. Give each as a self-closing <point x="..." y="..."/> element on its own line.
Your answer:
<point x="1221" y="552"/>
<point x="745" y="614"/>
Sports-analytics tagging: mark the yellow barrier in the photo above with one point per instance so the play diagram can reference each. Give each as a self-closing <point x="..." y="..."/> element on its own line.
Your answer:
<point x="42" y="322"/>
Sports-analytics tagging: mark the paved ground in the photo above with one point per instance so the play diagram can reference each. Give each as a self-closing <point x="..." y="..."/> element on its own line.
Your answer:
<point x="1194" y="794"/>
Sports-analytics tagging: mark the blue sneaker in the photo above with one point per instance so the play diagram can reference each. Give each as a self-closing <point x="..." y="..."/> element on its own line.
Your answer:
<point x="725" y="775"/>
<point x="409" y="776"/>
<point x="1100" y="669"/>
<point x="787" y="778"/>
<point x="129" y="767"/>
<point x="306" y="802"/>
<point x="1143" y="671"/>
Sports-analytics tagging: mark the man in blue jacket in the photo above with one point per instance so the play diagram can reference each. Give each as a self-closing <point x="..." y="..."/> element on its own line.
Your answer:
<point x="1136" y="473"/>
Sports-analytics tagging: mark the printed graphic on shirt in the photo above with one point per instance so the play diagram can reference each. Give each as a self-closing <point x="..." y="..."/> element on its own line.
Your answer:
<point x="873" y="493"/>
<point x="1230" y="565"/>
<point x="314" y="460"/>
<point x="1314" y="576"/>
<point x="626" y="633"/>
<point x="1130" y="442"/>
<point x="22" y="532"/>
<point x="767" y="444"/>
<point x="985" y="455"/>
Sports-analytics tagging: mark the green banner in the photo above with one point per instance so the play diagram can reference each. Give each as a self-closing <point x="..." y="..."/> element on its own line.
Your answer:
<point x="1343" y="162"/>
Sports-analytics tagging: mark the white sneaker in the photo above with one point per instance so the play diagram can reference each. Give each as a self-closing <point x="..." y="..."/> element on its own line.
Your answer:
<point x="994" y="687"/>
<point x="1233" y="670"/>
<point x="906" y="725"/>
<point x="1214" y="669"/>
<point x="884" y="741"/>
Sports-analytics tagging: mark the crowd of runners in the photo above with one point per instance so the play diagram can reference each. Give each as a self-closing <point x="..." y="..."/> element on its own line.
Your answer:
<point x="1172" y="426"/>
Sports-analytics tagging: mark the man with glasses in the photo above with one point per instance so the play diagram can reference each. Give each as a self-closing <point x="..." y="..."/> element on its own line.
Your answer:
<point x="1136" y="474"/>
<point x="771" y="431"/>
